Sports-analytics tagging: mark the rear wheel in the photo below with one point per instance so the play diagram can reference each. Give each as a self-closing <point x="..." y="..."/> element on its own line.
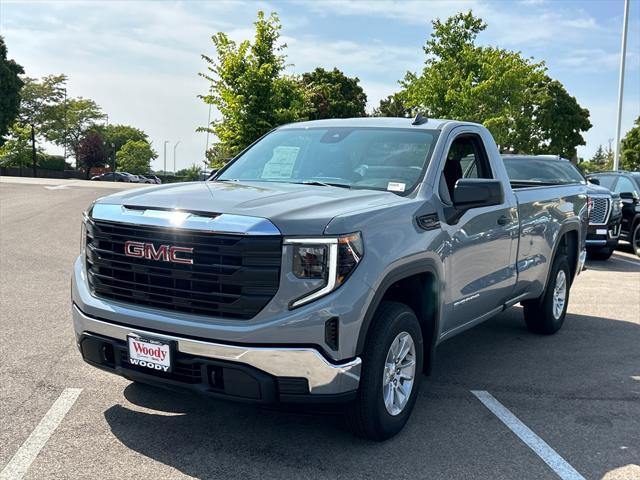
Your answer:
<point x="545" y="315"/>
<point x="391" y="372"/>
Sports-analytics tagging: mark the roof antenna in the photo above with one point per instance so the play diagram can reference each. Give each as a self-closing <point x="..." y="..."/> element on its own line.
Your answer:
<point x="420" y="119"/>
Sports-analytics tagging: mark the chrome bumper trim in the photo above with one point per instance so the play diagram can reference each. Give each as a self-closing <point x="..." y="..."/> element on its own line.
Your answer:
<point x="595" y="242"/>
<point x="323" y="377"/>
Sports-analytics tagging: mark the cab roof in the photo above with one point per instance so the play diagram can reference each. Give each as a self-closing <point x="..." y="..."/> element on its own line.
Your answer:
<point x="373" y="122"/>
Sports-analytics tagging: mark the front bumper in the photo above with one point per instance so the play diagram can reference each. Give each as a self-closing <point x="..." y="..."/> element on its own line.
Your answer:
<point x="272" y="371"/>
<point x="603" y="235"/>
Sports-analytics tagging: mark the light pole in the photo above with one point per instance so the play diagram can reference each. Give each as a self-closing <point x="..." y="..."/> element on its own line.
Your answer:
<point x="623" y="53"/>
<point x="174" y="157"/>
<point x="164" y="170"/>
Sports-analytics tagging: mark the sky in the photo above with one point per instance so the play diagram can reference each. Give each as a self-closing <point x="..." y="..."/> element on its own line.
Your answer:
<point x="140" y="60"/>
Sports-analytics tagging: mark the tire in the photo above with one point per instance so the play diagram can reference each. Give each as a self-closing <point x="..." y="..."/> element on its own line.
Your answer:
<point x="600" y="253"/>
<point x="635" y="239"/>
<point x="368" y="416"/>
<point x="544" y="315"/>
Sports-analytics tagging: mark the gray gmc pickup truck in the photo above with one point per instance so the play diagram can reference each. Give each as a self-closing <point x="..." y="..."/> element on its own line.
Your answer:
<point x="324" y="263"/>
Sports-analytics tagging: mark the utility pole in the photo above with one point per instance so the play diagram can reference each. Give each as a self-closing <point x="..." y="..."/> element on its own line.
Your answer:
<point x="174" y="157"/>
<point x="623" y="54"/>
<point x="164" y="170"/>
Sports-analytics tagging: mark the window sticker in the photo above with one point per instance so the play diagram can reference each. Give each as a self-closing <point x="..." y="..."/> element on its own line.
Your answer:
<point x="281" y="163"/>
<point x="395" y="187"/>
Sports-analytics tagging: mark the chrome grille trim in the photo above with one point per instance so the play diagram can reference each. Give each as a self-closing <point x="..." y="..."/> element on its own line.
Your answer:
<point x="600" y="211"/>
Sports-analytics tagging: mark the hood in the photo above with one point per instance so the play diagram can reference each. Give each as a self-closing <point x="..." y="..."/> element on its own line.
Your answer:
<point x="294" y="209"/>
<point x="593" y="189"/>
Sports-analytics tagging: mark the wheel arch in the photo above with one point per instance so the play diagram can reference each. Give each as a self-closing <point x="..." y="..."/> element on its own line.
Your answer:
<point x="418" y="286"/>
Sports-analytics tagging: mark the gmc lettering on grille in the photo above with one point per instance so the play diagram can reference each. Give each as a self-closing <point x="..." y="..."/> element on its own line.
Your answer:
<point x="165" y="253"/>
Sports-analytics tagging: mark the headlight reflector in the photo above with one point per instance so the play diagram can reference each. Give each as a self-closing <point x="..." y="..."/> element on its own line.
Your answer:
<point x="330" y="259"/>
<point x="310" y="261"/>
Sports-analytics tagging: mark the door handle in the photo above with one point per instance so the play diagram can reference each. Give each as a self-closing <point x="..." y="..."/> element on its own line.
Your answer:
<point x="503" y="220"/>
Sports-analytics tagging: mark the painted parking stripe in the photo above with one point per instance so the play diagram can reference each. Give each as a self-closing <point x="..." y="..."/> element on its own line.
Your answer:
<point x="28" y="451"/>
<point x="533" y="441"/>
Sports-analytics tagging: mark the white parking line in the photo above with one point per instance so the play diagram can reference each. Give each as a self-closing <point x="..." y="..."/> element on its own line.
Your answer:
<point x="533" y="441"/>
<point x="28" y="451"/>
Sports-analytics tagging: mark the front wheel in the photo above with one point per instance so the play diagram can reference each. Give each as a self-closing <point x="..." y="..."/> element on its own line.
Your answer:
<point x="545" y="315"/>
<point x="635" y="239"/>
<point x="391" y="372"/>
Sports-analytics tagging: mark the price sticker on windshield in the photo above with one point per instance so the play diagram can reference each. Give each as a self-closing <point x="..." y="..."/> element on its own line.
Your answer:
<point x="395" y="187"/>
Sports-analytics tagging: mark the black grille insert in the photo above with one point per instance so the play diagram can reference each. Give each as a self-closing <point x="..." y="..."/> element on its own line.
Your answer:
<point x="232" y="276"/>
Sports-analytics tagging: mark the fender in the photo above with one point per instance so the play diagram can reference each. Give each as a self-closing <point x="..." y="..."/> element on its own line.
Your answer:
<point x="399" y="273"/>
<point x="569" y="226"/>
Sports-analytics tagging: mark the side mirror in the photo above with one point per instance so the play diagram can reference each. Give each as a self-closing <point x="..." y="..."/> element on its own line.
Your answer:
<point x="627" y="196"/>
<point x="595" y="181"/>
<point x="473" y="193"/>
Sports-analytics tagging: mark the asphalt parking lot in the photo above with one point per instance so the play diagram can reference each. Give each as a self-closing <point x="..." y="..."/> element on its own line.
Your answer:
<point x="579" y="390"/>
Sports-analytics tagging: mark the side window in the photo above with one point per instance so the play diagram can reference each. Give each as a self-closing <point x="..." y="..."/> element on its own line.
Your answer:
<point x="466" y="158"/>
<point x="625" y="185"/>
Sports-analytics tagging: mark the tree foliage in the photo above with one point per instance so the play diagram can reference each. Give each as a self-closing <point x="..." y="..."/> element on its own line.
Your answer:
<point x="392" y="106"/>
<point x="39" y="106"/>
<point x="511" y="95"/>
<point x="333" y="95"/>
<point x="630" y="148"/>
<point x="135" y="157"/>
<point x="190" y="174"/>
<point x="91" y="152"/>
<point x="71" y="120"/>
<point x="117" y="135"/>
<point x="10" y="85"/>
<point x="16" y="151"/>
<point x="248" y="88"/>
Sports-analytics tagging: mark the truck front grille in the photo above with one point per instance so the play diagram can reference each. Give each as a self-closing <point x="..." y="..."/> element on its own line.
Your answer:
<point x="600" y="210"/>
<point x="232" y="276"/>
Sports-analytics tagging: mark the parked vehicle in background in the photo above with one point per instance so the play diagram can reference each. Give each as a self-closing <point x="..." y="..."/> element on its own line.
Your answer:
<point x="627" y="185"/>
<point x="154" y="178"/>
<point x="144" y="179"/>
<point x="605" y="207"/>
<point x="112" y="177"/>
<point x="324" y="264"/>
<point x="133" y="178"/>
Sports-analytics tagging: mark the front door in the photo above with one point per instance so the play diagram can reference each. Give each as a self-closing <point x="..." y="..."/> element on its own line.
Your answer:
<point x="482" y="245"/>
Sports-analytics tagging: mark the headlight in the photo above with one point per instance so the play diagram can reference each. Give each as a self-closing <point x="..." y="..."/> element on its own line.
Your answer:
<point x="616" y="206"/>
<point x="329" y="259"/>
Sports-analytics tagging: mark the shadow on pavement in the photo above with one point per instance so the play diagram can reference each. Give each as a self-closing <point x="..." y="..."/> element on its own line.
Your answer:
<point x="450" y="435"/>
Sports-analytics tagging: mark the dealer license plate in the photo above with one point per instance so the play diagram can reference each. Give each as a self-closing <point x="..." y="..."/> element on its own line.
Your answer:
<point x="149" y="353"/>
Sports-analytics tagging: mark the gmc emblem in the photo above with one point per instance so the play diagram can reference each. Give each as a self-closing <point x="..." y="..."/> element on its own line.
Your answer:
<point x="166" y="253"/>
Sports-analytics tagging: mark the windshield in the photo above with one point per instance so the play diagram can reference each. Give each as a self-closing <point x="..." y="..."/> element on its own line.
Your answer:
<point x="536" y="170"/>
<point x="373" y="158"/>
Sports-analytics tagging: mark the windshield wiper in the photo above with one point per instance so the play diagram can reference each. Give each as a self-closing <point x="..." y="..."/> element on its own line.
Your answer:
<point x="324" y="184"/>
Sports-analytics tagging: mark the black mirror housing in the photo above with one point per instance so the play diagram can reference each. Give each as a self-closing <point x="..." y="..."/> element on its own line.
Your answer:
<point x="473" y="193"/>
<point x="595" y="181"/>
<point x="627" y="196"/>
<point x="477" y="192"/>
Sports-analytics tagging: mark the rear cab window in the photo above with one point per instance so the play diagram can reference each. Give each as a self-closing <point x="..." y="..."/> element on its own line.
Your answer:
<point x="533" y="171"/>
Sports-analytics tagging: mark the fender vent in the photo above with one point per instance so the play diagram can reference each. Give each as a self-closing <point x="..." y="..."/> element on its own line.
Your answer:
<point x="331" y="333"/>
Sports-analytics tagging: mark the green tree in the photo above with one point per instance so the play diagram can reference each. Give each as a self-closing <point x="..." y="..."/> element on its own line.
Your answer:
<point x="599" y="157"/>
<point x="10" y="85"/>
<point x="16" y="151"/>
<point x="511" y="95"/>
<point x="91" y="152"/>
<point x="190" y="174"/>
<point x="333" y="95"/>
<point x="392" y="106"/>
<point x="71" y="120"/>
<point x="248" y="89"/>
<point x="39" y="106"/>
<point x="135" y="157"/>
<point x="117" y="135"/>
<point x="630" y="148"/>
